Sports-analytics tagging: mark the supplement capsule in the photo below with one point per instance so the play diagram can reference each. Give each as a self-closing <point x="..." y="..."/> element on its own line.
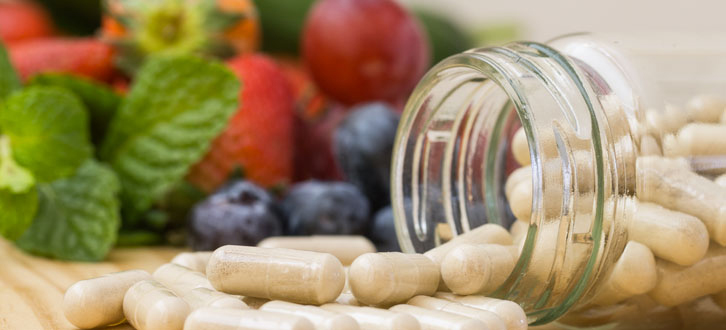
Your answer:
<point x="491" y="320"/>
<point x="634" y="273"/>
<point x="721" y="181"/>
<point x="696" y="139"/>
<point x="649" y="146"/>
<point x="522" y="174"/>
<point x="243" y="319"/>
<point x="370" y="318"/>
<point x="180" y="279"/>
<point x="520" y="147"/>
<point x="322" y="319"/>
<point x="488" y="233"/>
<point x="203" y="297"/>
<point x="388" y="278"/>
<point x="347" y="299"/>
<point x="511" y="313"/>
<point x="278" y="274"/>
<point x="99" y="301"/>
<point x="519" y="230"/>
<point x="520" y="200"/>
<point x="705" y="108"/>
<point x="196" y="261"/>
<point x="671" y="235"/>
<point x="478" y="268"/>
<point x="679" y="284"/>
<point x="438" y="320"/>
<point x="670" y="182"/>
<point x="345" y="248"/>
<point x="148" y="305"/>
<point x="667" y="121"/>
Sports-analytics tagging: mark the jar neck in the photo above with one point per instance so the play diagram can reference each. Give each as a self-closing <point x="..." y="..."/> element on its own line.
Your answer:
<point x="451" y="160"/>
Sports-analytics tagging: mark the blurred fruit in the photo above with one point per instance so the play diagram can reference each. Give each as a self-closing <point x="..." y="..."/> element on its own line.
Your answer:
<point x="363" y="147"/>
<point x="258" y="138"/>
<point x="23" y="20"/>
<point x="383" y="231"/>
<point x="364" y="50"/>
<point x="445" y="37"/>
<point x="219" y="28"/>
<point x="239" y="213"/>
<point x="325" y="208"/>
<point x="315" y="122"/>
<point x="75" y="17"/>
<point x="80" y="56"/>
<point x="282" y="24"/>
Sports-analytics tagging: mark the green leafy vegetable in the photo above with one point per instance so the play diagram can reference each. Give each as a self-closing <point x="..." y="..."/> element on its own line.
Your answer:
<point x="166" y="123"/>
<point x="16" y="212"/>
<point x="9" y="80"/>
<point x="48" y="131"/>
<point x="13" y="177"/>
<point x="78" y="217"/>
<point x="100" y="100"/>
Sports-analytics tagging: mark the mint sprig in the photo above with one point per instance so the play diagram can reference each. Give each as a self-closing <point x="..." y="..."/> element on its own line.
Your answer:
<point x="48" y="131"/>
<point x="78" y="217"/>
<point x="166" y="123"/>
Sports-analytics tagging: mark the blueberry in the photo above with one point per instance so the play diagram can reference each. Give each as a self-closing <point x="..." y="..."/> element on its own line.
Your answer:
<point x="239" y="213"/>
<point x="383" y="231"/>
<point x="325" y="208"/>
<point x="363" y="146"/>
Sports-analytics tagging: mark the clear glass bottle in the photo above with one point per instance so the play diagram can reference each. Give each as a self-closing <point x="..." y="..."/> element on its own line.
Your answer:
<point x="611" y="123"/>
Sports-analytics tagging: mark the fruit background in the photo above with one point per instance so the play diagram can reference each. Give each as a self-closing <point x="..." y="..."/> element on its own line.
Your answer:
<point x="205" y="123"/>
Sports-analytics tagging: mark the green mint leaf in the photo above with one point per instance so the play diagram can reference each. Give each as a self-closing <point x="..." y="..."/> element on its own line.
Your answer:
<point x="78" y="216"/>
<point x="175" y="108"/>
<point x="13" y="177"/>
<point x="16" y="212"/>
<point x="48" y="131"/>
<point x="100" y="100"/>
<point x="9" y="80"/>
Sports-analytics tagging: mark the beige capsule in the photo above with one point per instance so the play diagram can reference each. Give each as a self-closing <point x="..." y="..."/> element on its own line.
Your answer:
<point x="210" y="318"/>
<point x="696" y="139"/>
<point x="670" y="120"/>
<point x="488" y="233"/>
<point x="512" y="314"/>
<point x="679" y="284"/>
<point x="438" y="320"/>
<point x="673" y="236"/>
<point x="634" y="273"/>
<point x="180" y="279"/>
<point x="705" y="108"/>
<point x="522" y="174"/>
<point x="347" y="299"/>
<point x="520" y="200"/>
<point x="519" y="230"/>
<point x="98" y="301"/>
<point x="721" y="180"/>
<point x="303" y="277"/>
<point x="148" y="305"/>
<point x="370" y="318"/>
<point x="196" y="261"/>
<point x="388" y="278"/>
<point x="345" y="248"/>
<point x="478" y="268"/>
<point x="649" y="146"/>
<point x="322" y="319"/>
<point x="671" y="183"/>
<point x="520" y="147"/>
<point x="491" y="320"/>
<point x="203" y="297"/>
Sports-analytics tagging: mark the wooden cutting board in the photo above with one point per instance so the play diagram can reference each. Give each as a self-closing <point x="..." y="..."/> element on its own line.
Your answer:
<point x="32" y="288"/>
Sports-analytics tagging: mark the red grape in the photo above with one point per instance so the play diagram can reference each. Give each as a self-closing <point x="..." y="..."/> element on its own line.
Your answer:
<point x="363" y="50"/>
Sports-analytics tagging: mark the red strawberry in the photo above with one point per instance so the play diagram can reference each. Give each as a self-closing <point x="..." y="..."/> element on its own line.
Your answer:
<point x="22" y="21"/>
<point x="258" y="138"/>
<point x="82" y="56"/>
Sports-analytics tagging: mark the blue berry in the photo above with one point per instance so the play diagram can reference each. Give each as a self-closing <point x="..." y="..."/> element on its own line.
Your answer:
<point x="325" y="208"/>
<point x="363" y="146"/>
<point x="239" y="213"/>
<point x="383" y="231"/>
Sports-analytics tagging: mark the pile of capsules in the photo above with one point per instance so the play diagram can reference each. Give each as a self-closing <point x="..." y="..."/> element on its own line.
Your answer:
<point x="675" y="221"/>
<point x="282" y="284"/>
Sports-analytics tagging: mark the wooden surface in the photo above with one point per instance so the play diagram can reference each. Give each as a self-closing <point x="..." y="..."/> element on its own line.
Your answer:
<point x="32" y="288"/>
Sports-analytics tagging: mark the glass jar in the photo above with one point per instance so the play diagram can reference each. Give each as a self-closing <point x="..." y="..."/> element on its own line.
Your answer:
<point x="614" y="131"/>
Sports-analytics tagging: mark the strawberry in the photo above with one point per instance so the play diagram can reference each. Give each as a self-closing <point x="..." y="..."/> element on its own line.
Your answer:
<point x="258" y="138"/>
<point x="22" y="21"/>
<point x="82" y="56"/>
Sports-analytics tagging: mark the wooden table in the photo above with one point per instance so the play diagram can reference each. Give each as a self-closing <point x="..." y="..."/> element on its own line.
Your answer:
<point x="32" y="288"/>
